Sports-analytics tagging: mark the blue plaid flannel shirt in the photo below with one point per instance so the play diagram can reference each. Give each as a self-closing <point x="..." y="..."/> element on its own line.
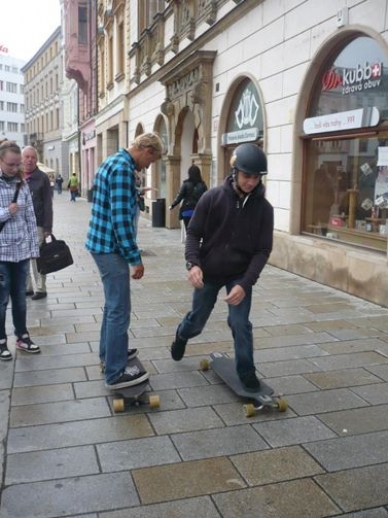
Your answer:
<point x="114" y="206"/>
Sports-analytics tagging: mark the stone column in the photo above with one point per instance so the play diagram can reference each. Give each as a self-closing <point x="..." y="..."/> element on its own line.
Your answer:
<point x="173" y="174"/>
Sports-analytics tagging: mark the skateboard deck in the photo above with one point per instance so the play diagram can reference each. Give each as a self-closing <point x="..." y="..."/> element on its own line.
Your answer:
<point x="265" y="397"/>
<point x="134" y="395"/>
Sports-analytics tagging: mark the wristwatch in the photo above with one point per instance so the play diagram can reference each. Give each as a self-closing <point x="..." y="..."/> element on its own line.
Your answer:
<point x="189" y="265"/>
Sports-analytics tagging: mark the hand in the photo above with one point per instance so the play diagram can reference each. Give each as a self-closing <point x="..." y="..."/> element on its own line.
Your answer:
<point x="13" y="208"/>
<point x="138" y="271"/>
<point x="235" y="296"/>
<point x="196" y="277"/>
<point x="170" y="207"/>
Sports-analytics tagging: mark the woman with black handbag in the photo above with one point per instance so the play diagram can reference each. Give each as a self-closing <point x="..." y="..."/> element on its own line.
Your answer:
<point x="18" y="244"/>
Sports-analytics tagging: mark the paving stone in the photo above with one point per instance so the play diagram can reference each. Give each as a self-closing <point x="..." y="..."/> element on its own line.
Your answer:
<point x="268" y="467"/>
<point x="282" y="500"/>
<point x="293" y="431"/>
<point x="49" y="377"/>
<point x="5" y="397"/>
<point x="324" y="401"/>
<point x="42" y="394"/>
<point x="288" y="330"/>
<point x="6" y="373"/>
<point x="77" y="433"/>
<point x="348" y="361"/>
<point x="357" y="489"/>
<point x="351" y="452"/>
<point x="342" y="378"/>
<point x="353" y="346"/>
<point x="59" y="412"/>
<point x="68" y="496"/>
<point x="137" y="453"/>
<point x="56" y="349"/>
<point x="185" y="420"/>
<point x="291" y="385"/>
<point x="178" y="380"/>
<point x="200" y="506"/>
<point x="52" y="464"/>
<point x="352" y="422"/>
<point x="287" y="353"/>
<point x="379" y="370"/>
<point x="374" y="394"/>
<point x="371" y="513"/>
<point x="62" y="361"/>
<point x="294" y="340"/>
<point x="218" y="442"/>
<point x="286" y="368"/>
<point x="186" y="479"/>
<point x="205" y="396"/>
<point x="167" y="366"/>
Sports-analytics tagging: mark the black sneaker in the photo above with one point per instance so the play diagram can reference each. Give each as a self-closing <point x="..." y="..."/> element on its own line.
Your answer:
<point x="24" y="343"/>
<point x="178" y="348"/>
<point x="132" y="353"/>
<point x="251" y="383"/>
<point x="131" y="376"/>
<point x="5" y="354"/>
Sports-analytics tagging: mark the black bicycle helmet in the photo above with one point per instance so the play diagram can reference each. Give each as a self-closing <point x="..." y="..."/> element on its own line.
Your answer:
<point x="250" y="159"/>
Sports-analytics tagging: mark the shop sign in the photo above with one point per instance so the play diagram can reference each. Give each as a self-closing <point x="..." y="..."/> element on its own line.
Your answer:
<point x="353" y="80"/>
<point x="246" y="120"/>
<point x="3" y="48"/>
<point x="342" y="121"/>
<point x="234" y="137"/>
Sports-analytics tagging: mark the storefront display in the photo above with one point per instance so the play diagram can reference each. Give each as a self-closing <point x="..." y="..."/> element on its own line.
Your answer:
<point x="346" y="180"/>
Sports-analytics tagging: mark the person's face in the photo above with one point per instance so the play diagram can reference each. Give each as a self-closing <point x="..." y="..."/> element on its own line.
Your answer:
<point x="29" y="160"/>
<point x="247" y="182"/>
<point x="147" y="156"/>
<point x="10" y="163"/>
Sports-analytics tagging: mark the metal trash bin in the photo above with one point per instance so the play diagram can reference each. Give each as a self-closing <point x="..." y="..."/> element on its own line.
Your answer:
<point x="90" y="195"/>
<point x="159" y="213"/>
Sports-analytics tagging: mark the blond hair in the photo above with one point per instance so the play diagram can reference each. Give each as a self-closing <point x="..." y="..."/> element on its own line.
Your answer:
<point x="151" y="140"/>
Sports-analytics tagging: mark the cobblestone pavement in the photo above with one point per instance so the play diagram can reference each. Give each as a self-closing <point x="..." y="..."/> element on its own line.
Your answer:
<point x="67" y="454"/>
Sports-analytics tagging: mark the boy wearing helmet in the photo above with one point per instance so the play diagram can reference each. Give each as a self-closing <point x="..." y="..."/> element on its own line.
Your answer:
<point x="228" y="243"/>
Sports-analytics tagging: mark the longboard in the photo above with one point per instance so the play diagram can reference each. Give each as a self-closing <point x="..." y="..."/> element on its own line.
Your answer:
<point x="225" y="369"/>
<point x="134" y="395"/>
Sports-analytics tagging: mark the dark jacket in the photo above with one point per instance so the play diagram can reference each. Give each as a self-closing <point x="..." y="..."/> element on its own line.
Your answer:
<point x="42" y="199"/>
<point x="189" y="195"/>
<point x="231" y="238"/>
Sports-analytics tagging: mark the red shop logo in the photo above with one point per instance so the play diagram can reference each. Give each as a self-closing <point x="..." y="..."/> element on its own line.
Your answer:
<point x="331" y="79"/>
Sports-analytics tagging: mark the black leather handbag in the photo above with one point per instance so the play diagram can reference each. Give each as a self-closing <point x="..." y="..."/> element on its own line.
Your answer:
<point x="54" y="256"/>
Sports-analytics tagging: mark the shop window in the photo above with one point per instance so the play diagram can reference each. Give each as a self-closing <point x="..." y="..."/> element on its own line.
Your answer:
<point x="346" y="172"/>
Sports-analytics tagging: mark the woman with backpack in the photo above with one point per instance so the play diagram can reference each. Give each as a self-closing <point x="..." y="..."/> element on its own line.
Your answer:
<point x="189" y="194"/>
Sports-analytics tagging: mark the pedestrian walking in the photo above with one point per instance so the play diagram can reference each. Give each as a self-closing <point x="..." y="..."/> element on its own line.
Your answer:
<point x="189" y="194"/>
<point x="111" y="239"/>
<point x="41" y="191"/>
<point x="59" y="182"/>
<point x="229" y="240"/>
<point x="18" y="243"/>
<point x="73" y="187"/>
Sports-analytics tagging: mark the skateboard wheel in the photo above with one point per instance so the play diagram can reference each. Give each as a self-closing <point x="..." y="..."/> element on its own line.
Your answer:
<point x="204" y="364"/>
<point x="154" y="401"/>
<point x="282" y="405"/>
<point x="118" y="405"/>
<point x="249" y="410"/>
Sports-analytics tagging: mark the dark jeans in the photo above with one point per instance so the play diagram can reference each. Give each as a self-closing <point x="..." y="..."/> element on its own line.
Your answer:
<point x="238" y="320"/>
<point x="13" y="278"/>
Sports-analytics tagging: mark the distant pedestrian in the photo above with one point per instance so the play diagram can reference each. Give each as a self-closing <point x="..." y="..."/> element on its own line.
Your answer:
<point x="112" y="242"/>
<point x="40" y="188"/>
<point x="59" y="182"/>
<point x="18" y="243"/>
<point x="73" y="187"/>
<point x="189" y="194"/>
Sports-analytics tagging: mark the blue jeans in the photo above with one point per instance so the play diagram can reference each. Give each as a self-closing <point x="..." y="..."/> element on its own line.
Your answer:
<point x="114" y="272"/>
<point x="13" y="278"/>
<point x="238" y="320"/>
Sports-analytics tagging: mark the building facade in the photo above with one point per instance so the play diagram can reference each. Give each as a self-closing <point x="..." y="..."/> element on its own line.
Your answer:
<point x="43" y="83"/>
<point x="307" y="80"/>
<point x="12" y="107"/>
<point x="80" y="52"/>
